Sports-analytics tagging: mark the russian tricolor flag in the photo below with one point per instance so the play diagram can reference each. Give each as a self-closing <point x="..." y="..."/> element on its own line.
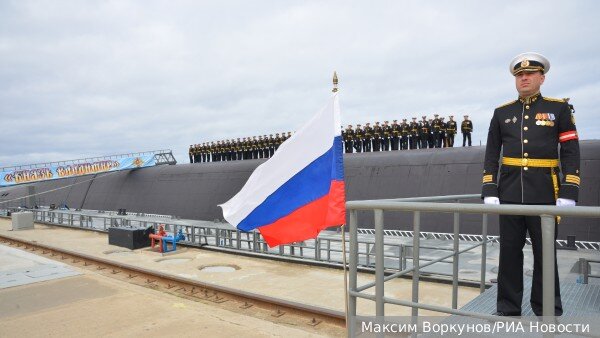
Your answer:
<point x="300" y="190"/>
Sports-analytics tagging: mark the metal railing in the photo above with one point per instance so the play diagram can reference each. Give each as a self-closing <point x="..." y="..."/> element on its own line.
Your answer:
<point x="561" y="243"/>
<point x="324" y="250"/>
<point x="84" y="160"/>
<point x="584" y="266"/>
<point x="419" y="205"/>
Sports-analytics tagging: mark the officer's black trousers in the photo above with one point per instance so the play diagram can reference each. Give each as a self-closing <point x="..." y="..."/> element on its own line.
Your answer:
<point x="436" y="140"/>
<point x="367" y="145"/>
<point x="424" y="143"/>
<point x="395" y="142"/>
<point x="510" y="271"/>
<point x="376" y="144"/>
<point x="465" y="136"/>
<point x="358" y="146"/>
<point x="348" y="145"/>
<point x="451" y="140"/>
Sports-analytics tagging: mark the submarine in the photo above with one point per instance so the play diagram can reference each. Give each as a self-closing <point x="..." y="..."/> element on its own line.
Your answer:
<point x="194" y="191"/>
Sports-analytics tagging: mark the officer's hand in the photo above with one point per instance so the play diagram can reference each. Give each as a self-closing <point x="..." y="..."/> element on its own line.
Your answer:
<point x="565" y="202"/>
<point x="491" y="200"/>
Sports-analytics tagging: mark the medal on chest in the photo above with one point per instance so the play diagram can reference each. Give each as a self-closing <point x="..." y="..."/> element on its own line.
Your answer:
<point x="545" y="119"/>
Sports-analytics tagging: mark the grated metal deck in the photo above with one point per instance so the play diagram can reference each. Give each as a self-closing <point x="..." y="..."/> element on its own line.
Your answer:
<point x="578" y="299"/>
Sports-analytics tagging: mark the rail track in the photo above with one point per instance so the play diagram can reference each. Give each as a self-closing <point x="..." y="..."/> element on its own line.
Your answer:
<point x="256" y="305"/>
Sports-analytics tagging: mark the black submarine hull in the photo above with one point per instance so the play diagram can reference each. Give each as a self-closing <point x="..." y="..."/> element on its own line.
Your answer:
<point x="193" y="191"/>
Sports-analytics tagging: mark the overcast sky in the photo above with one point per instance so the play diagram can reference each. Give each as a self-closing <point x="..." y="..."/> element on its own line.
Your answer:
<point x="90" y="78"/>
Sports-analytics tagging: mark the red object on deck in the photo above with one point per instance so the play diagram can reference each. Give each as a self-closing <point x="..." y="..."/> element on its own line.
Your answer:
<point x="157" y="238"/>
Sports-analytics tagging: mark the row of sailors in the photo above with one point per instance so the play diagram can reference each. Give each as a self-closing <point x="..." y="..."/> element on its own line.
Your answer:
<point x="247" y="148"/>
<point x="432" y="133"/>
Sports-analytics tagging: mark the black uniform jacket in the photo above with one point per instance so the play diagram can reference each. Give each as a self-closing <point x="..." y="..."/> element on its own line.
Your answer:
<point x="527" y="131"/>
<point x="451" y="127"/>
<point x="466" y="126"/>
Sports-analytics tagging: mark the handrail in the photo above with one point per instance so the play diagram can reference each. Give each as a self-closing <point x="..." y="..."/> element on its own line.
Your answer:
<point x="426" y="198"/>
<point x="503" y="209"/>
<point x="431" y="204"/>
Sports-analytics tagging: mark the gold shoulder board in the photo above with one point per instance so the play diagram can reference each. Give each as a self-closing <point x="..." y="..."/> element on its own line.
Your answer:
<point x="506" y="104"/>
<point x="553" y="99"/>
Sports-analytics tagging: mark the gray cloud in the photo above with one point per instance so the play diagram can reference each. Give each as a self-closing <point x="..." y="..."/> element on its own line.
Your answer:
<point x="92" y="78"/>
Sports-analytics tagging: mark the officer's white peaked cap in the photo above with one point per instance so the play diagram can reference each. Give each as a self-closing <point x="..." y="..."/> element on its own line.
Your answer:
<point x="529" y="62"/>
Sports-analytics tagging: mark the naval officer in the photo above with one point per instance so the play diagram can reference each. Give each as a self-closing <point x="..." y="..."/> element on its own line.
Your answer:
<point x="535" y="134"/>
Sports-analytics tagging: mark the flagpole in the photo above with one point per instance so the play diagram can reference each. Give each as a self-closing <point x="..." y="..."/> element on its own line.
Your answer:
<point x="344" y="262"/>
<point x="345" y="274"/>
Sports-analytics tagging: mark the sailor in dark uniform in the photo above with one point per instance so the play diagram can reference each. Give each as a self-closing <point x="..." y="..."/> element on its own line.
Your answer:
<point x="215" y="149"/>
<point x="414" y="134"/>
<point x="377" y="134"/>
<point x="534" y="134"/>
<point x="225" y="150"/>
<point x="348" y="136"/>
<point x="233" y="150"/>
<point x="425" y="130"/>
<point x="450" y="131"/>
<point x="442" y="133"/>
<point x="210" y="151"/>
<point x="368" y="134"/>
<point x="431" y="140"/>
<point x="244" y="148"/>
<point x="238" y="149"/>
<point x="436" y="125"/>
<point x="266" y="151"/>
<point x="395" y="130"/>
<point x="221" y="151"/>
<point x="207" y="150"/>
<point x="358" y="138"/>
<point x="404" y="133"/>
<point x="269" y="150"/>
<point x="466" y="128"/>
<point x="229" y="148"/>
<point x="387" y="134"/>
<point x="277" y="141"/>
<point x="254" y="147"/>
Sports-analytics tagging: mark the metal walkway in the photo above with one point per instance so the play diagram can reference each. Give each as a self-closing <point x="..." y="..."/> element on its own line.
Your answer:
<point x="578" y="299"/>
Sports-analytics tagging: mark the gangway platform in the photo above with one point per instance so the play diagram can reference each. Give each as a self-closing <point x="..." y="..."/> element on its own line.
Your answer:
<point x="579" y="300"/>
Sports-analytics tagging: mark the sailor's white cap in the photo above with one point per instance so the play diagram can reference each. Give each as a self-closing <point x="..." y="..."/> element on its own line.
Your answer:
<point x="529" y="62"/>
